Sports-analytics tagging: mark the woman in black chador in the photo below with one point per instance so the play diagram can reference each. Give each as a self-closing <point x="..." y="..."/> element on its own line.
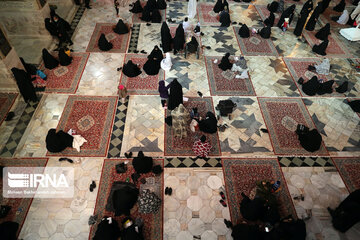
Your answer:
<point x="30" y="68"/>
<point x="225" y="62"/>
<point x="137" y="8"/>
<point x="323" y="33"/>
<point x="151" y="4"/>
<point x="209" y="123"/>
<point x="179" y="39"/>
<point x="310" y="26"/>
<point x="219" y="5"/>
<point x="51" y="27"/>
<point x="321" y="48"/>
<point x="161" y="4"/>
<point x="176" y="95"/>
<point x="288" y="13"/>
<point x="265" y="32"/>
<point x="244" y="31"/>
<point x="58" y="141"/>
<point x="304" y="13"/>
<point x="64" y="59"/>
<point x="310" y="87"/>
<point x="225" y="18"/>
<point x="152" y="65"/>
<point x="193" y="45"/>
<point x="155" y="16"/>
<point x="121" y="28"/>
<point x="146" y="14"/>
<point x="23" y="81"/>
<point x="270" y="20"/>
<point x="166" y="39"/>
<point x="340" y="7"/>
<point x="325" y="5"/>
<point x="130" y="69"/>
<point x="310" y="140"/>
<point x="272" y="7"/>
<point x="104" y="44"/>
<point x="49" y="61"/>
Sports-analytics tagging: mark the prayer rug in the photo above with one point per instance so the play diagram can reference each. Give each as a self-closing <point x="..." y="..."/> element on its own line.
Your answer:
<point x="265" y="13"/>
<point x="153" y="222"/>
<point x="241" y="175"/>
<point x="142" y="84"/>
<point x="6" y="101"/>
<point x="349" y="169"/>
<point x="120" y="42"/>
<point x="335" y="48"/>
<point x="92" y="118"/>
<point x="207" y="15"/>
<point x="282" y="117"/>
<point x="176" y="146"/>
<point x="19" y="206"/>
<point x="225" y="83"/>
<point x="255" y="45"/>
<point x="329" y="13"/>
<point x="136" y="18"/>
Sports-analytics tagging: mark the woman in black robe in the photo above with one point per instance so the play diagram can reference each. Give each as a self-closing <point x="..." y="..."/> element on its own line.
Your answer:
<point x="58" y="141"/>
<point x="142" y="164"/>
<point x="166" y="39"/>
<point x="23" y="81"/>
<point x="121" y="28"/>
<point x="179" y="39"/>
<point x="321" y="48"/>
<point x="300" y="24"/>
<point x="310" y="140"/>
<point x="30" y="68"/>
<point x="288" y="13"/>
<point x="107" y="230"/>
<point x="325" y="5"/>
<point x="155" y="16"/>
<point x="176" y="95"/>
<point x="151" y="4"/>
<point x="323" y="33"/>
<point x="161" y="4"/>
<point x="270" y="20"/>
<point x="326" y="87"/>
<point x="244" y="31"/>
<point x="265" y="32"/>
<point x="307" y="7"/>
<point x="225" y="63"/>
<point x="219" y="5"/>
<point x="193" y="45"/>
<point x="156" y="54"/>
<point x="51" y="27"/>
<point x="310" y="26"/>
<point x="272" y="7"/>
<point x="310" y="87"/>
<point x="225" y="18"/>
<point x="152" y="65"/>
<point x="208" y="124"/>
<point x="49" y="61"/>
<point x="64" y="59"/>
<point x="355" y="105"/>
<point x="130" y="69"/>
<point x="104" y="44"/>
<point x="146" y="14"/>
<point x="340" y="7"/>
<point x="137" y="8"/>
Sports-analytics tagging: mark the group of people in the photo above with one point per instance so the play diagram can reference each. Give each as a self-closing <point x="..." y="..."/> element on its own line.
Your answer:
<point x="104" y="44"/>
<point x="239" y="66"/>
<point x="59" y="28"/>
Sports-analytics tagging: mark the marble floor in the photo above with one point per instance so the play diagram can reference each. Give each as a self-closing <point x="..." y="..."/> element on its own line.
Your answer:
<point x="193" y="210"/>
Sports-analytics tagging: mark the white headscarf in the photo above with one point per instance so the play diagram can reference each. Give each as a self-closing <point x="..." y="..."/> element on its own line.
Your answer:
<point x="166" y="62"/>
<point x="343" y="18"/>
<point x="324" y="67"/>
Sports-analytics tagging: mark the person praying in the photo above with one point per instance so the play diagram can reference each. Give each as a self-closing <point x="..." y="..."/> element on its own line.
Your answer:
<point x="193" y="45"/>
<point x="49" y="61"/>
<point x="152" y="65"/>
<point x="131" y="69"/>
<point x="225" y="63"/>
<point x="225" y="18"/>
<point x="208" y="124"/>
<point x="270" y="20"/>
<point x="64" y="59"/>
<point x="166" y="39"/>
<point x="58" y="141"/>
<point x="310" y="140"/>
<point x="179" y="39"/>
<point x="121" y="28"/>
<point x="219" y="5"/>
<point x="310" y="26"/>
<point x="321" y="48"/>
<point x="340" y="7"/>
<point x="323" y="33"/>
<point x="244" y="31"/>
<point x="176" y="95"/>
<point x="136" y="8"/>
<point x="104" y="44"/>
<point x="265" y="32"/>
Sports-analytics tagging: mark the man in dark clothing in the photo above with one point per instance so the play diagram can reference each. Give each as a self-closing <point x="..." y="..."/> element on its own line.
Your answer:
<point x="58" y="141"/>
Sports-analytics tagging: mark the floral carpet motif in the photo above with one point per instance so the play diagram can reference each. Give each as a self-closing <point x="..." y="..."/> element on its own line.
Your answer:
<point x="142" y="84"/>
<point x="19" y="206"/>
<point x="92" y="118"/>
<point x="225" y="83"/>
<point x="335" y="49"/>
<point x="175" y="146"/>
<point x="152" y="222"/>
<point x="255" y="45"/>
<point x="120" y="42"/>
<point x="280" y="116"/>
<point x="207" y="15"/>
<point x="6" y="101"/>
<point x="241" y="175"/>
<point x="349" y="169"/>
<point x="265" y="13"/>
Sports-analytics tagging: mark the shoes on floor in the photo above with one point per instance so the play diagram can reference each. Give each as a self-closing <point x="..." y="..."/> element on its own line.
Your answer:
<point x="222" y="195"/>
<point x="168" y="191"/>
<point x="228" y="223"/>
<point x="200" y="94"/>
<point x="118" y="69"/>
<point x="223" y="203"/>
<point x="92" y="186"/>
<point x="66" y="159"/>
<point x="128" y="155"/>
<point x="264" y="130"/>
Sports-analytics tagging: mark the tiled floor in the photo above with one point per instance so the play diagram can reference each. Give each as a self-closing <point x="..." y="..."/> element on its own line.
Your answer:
<point x="194" y="210"/>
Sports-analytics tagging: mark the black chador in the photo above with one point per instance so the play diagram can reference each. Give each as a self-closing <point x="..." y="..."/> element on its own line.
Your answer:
<point x="137" y="8"/>
<point x="323" y="33"/>
<point x="265" y="32"/>
<point x="321" y="48"/>
<point x="121" y="28"/>
<point x="155" y="16"/>
<point x="244" y="31"/>
<point x="176" y="95"/>
<point x="179" y="39"/>
<point x="23" y="81"/>
<point x="152" y="65"/>
<point x="161" y="4"/>
<point x="219" y="5"/>
<point x="104" y="44"/>
<point x="300" y="23"/>
<point x="130" y="69"/>
<point x="325" y="5"/>
<point x="64" y="59"/>
<point x="340" y="7"/>
<point x="270" y="20"/>
<point x="49" y="61"/>
<point x="310" y="26"/>
<point x="225" y="62"/>
<point x="288" y="13"/>
<point x="166" y="39"/>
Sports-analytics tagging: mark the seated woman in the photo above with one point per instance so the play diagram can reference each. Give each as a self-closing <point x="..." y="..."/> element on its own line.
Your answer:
<point x="58" y="141"/>
<point x="323" y="33"/>
<point x="152" y="65"/>
<point x="343" y="19"/>
<point x="142" y="164"/>
<point x="225" y="63"/>
<point x="146" y="15"/>
<point x="209" y="123"/>
<point x="321" y="48"/>
<point x="64" y="59"/>
<point x="155" y="16"/>
<point x="252" y="210"/>
<point x="193" y="45"/>
<point x="121" y="28"/>
<point x="326" y="87"/>
<point x="49" y="61"/>
<point x="244" y="31"/>
<point x="270" y="20"/>
<point x="107" y="229"/>
<point x="122" y="198"/>
<point x="311" y="86"/>
<point x="104" y="44"/>
<point x="309" y="140"/>
<point x="225" y="18"/>
<point x="265" y="32"/>
<point x="220" y="5"/>
<point x="131" y="69"/>
<point x="136" y="8"/>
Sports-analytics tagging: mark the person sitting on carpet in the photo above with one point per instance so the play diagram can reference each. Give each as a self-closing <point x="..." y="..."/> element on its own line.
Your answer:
<point x="252" y="210"/>
<point x="142" y="164"/>
<point x="104" y="44"/>
<point x="49" y="61"/>
<point x="209" y="123"/>
<point x="265" y="32"/>
<point x="132" y="230"/>
<point x="193" y="45"/>
<point x="64" y="59"/>
<point x="225" y="63"/>
<point x="220" y="5"/>
<point x="107" y="229"/>
<point x="136" y="8"/>
<point x="131" y="69"/>
<point x="323" y="33"/>
<point x="309" y="140"/>
<point x="244" y="231"/>
<point x="244" y="31"/>
<point x="321" y="48"/>
<point x="120" y="27"/>
<point x="122" y="198"/>
<point x="58" y="141"/>
<point x="201" y="147"/>
<point x="225" y="18"/>
<point x="152" y="65"/>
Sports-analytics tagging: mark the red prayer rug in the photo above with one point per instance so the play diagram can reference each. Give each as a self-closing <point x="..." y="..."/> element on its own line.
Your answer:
<point x="19" y="206"/>
<point x="349" y="169"/>
<point x="255" y="45"/>
<point x="142" y="84"/>
<point x="207" y="15"/>
<point x="120" y="42"/>
<point x="6" y="102"/>
<point x="282" y="117"/>
<point x="153" y="222"/>
<point x="241" y="175"/>
<point x="335" y="48"/>
<point x="265" y="13"/>
<point x="224" y="82"/>
<point x="136" y="17"/>
<point x="176" y="146"/>
<point x="92" y="118"/>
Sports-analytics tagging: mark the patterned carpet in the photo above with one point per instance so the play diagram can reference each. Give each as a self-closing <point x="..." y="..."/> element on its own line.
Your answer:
<point x="175" y="146"/>
<point x="6" y="101"/>
<point x="207" y="15"/>
<point x="349" y="169"/>
<point x="225" y="83"/>
<point x="241" y="175"/>
<point x="152" y="222"/>
<point x="281" y="117"/>
<point x="142" y="84"/>
<point x="90" y="117"/>
<point x="120" y="42"/>
<point x="265" y="13"/>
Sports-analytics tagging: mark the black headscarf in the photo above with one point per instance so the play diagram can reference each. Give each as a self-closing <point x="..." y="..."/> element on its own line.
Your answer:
<point x="151" y="67"/>
<point x="142" y="164"/>
<point x="326" y="87"/>
<point x="244" y="31"/>
<point x="137" y="8"/>
<point x="311" y="140"/>
<point x="49" y="61"/>
<point x="225" y="19"/>
<point x="23" y="81"/>
<point x="155" y="16"/>
<point x="179" y="39"/>
<point x="30" y="68"/>
<point x="324" y="32"/>
<point x="209" y="123"/>
<point x="151" y="4"/>
<point x="288" y="13"/>
<point x="166" y="38"/>
<point x="176" y="95"/>
<point x="321" y="48"/>
<point x="51" y="27"/>
<point x="311" y="87"/>
<point x="161" y="4"/>
<point x="58" y="141"/>
<point x="300" y="23"/>
<point x="156" y="54"/>
<point x="130" y="69"/>
<point x="270" y="20"/>
<point x="265" y="32"/>
<point x="64" y="59"/>
<point x="310" y="26"/>
<point x="193" y="45"/>
<point x="121" y="28"/>
<point x="225" y="62"/>
<point x="104" y="44"/>
<point x="307" y="7"/>
<point x="219" y="6"/>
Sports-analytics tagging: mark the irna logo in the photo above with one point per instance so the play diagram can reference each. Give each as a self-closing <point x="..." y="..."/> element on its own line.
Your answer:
<point x="16" y="180"/>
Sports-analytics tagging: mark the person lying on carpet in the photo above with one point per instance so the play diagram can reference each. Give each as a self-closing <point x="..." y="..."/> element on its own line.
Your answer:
<point x="201" y="147"/>
<point x="107" y="229"/>
<point x="309" y="140"/>
<point x="59" y="141"/>
<point x="315" y="86"/>
<point x="208" y="124"/>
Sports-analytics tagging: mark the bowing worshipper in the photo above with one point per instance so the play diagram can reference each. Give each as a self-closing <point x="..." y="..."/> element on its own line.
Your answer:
<point x="225" y="18"/>
<point x="225" y="63"/>
<point x="340" y="7"/>
<point x="155" y="16"/>
<point x="166" y="39"/>
<point x="122" y="198"/>
<point x="164" y="92"/>
<point x="309" y="140"/>
<point x="191" y="11"/>
<point x="252" y="210"/>
<point x="142" y="164"/>
<point x="107" y="229"/>
<point x="323" y="33"/>
<point x="193" y="45"/>
<point x="23" y="81"/>
<point x="326" y="87"/>
<point x="265" y="32"/>
<point x="121" y="27"/>
<point x="288" y="13"/>
<point x="343" y="18"/>
<point x="244" y="31"/>
<point x="166" y="62"/>
<point x="104" y="44"/>
<point x="179" y="39"/>
<point x="51" y="27"/>
<point x="49" y="61"/>
<point x="270" y="20"/>
<point x="176" y="95"/>
<point x="30" y="68"/>
<point x="201" y="147"/>
<point x="208" y="124"/>
<point x="321" y="48"/>
<point x="355" y="105"/>
<point x="310" y="26"/>
<point x="131" y="69"/>
<point x="219" y="5"/>
<point x="64" y="59"/>
<point x="161" y="4"/>
<point x="273" y="6"/>
<point x="136" y="8"/>
<point x="58" y="141"/>
<point x="152" y="65"/>
<point x="146" y="14"/>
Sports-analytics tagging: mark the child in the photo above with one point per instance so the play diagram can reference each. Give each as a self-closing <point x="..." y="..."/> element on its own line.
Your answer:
<point x="285" y="25"/>
<point x="122" y="93"/>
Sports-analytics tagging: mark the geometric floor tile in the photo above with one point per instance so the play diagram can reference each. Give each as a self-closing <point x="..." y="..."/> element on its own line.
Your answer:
<point x="6" y="101"/>
<point x="246" y="14"/>
<point x="305" y="162"/>
<point x="184" y="162"/>
<point x="134" y="38"/>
